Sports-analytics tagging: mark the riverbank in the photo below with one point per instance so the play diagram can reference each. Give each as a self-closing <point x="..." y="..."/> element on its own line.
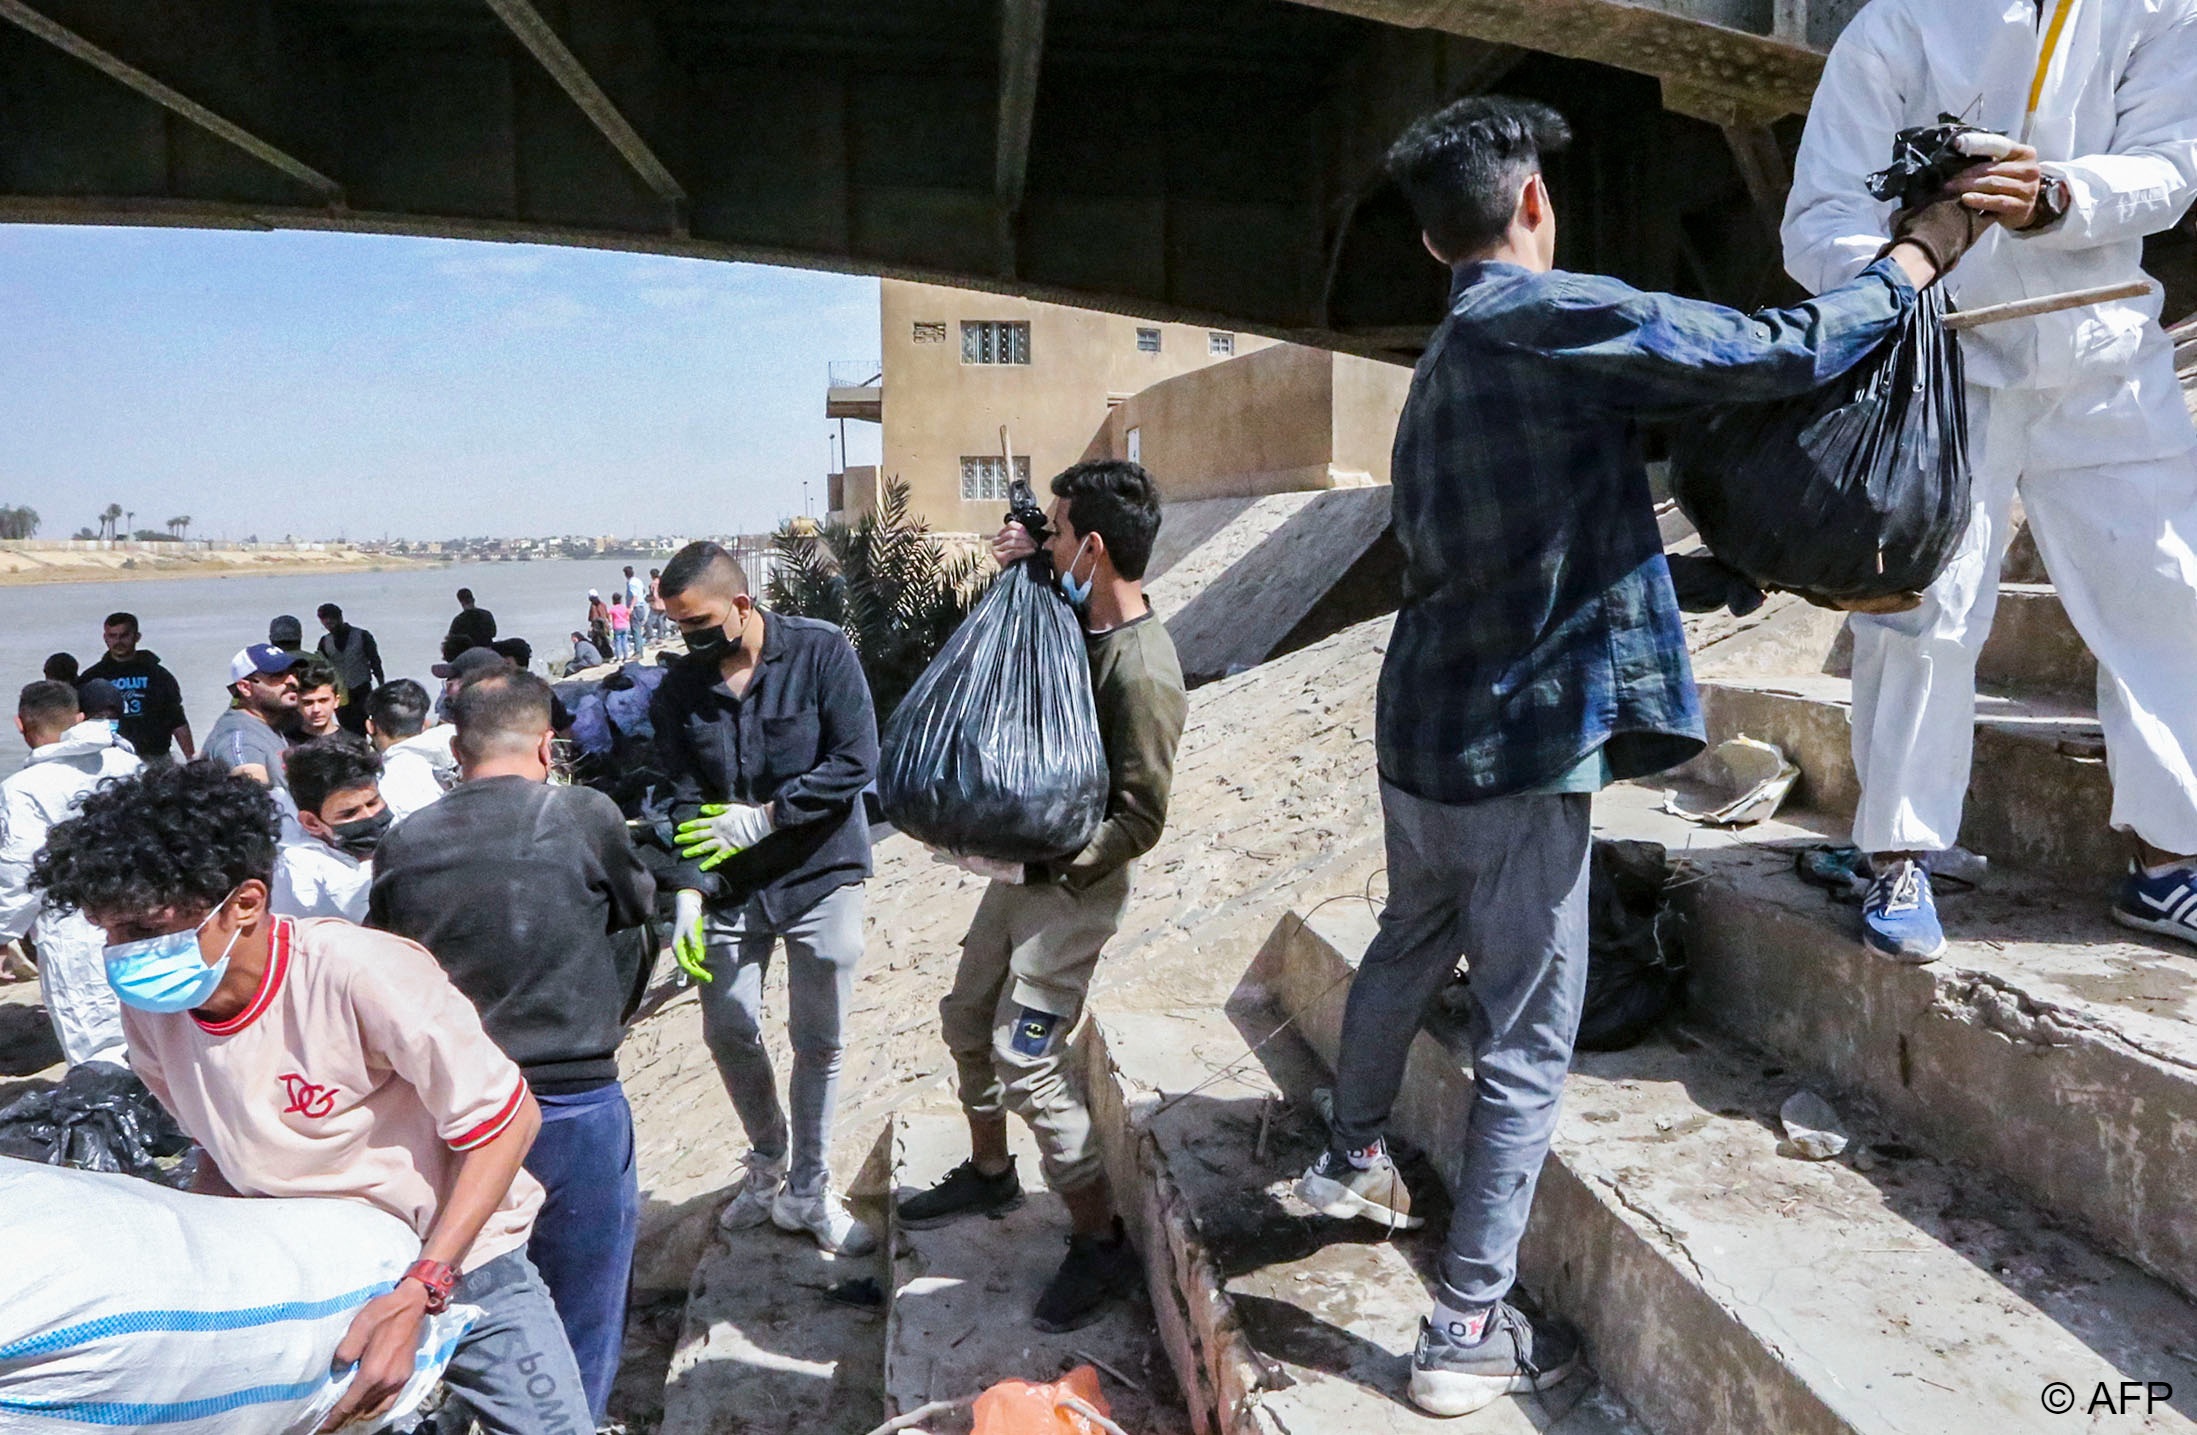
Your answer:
<point x="20" y="566"/>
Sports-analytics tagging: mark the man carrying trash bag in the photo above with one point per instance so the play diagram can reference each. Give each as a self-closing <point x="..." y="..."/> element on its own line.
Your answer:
<point x="2078" y="411"/>
<point x="1028" y="959"/>
<point x="1537" y="657"/>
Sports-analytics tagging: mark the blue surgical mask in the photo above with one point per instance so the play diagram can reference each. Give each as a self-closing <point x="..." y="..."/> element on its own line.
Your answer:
<point x="167" y="973"/>
<point x="1079" y="593"/>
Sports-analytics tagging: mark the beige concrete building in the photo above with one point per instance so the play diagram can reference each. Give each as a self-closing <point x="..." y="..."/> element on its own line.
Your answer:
<point x="1213" y="413"/>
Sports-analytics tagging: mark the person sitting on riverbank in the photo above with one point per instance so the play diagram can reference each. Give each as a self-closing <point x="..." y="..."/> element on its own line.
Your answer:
<point x="251" y="736"/>
<point x="585" y="654"/>
<point x="326" y="862"/>
<point x="320" y="696"/>
<point x="153" y="721"/>
<point x="417" y="765"/>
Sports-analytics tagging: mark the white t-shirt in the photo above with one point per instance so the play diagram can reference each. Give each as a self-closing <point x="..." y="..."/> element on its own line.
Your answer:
<point x="357" y="1071"/>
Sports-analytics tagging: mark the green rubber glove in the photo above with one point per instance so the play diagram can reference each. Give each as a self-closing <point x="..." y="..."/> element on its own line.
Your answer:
<point x="721" y="832"/>
<point x="687" y="947"/>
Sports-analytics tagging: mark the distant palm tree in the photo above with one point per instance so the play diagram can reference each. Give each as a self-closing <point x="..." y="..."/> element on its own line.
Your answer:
<point x="180" y="526"/>
<point x="888" y="581"/>
<point x="110" y="521"/>
<point x="18" y="521"/>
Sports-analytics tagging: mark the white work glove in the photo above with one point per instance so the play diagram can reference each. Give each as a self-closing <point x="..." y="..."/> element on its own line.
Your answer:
<point x="1014" y="874"/>
<point x="688" y="948"/>
<point x="722" y="830"/>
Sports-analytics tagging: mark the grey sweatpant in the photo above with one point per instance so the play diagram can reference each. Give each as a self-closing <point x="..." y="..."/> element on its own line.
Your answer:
<point x="514" y="1371"/>
<point x="1502" y="885"/>
<point x="823" y="944"/>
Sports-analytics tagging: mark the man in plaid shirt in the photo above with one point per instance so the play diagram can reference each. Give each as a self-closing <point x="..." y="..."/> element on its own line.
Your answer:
<point x="1538" y="656"/>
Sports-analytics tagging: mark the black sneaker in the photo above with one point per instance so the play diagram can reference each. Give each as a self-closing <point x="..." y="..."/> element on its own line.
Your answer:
<point x="965" y="1191"/>
<point x="1513" y="1356"/>
<point x="1098" y="1269"/>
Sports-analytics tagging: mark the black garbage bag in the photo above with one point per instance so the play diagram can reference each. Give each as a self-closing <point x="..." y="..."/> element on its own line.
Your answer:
<point x="1636" y="950"/>
<point x="1857" y="493"/>
<point x="100" y="1118"/>
<point x="995" y="752"/>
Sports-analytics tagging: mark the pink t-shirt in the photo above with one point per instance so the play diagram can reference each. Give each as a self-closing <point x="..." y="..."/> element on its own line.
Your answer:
<point x="621" y="617"/>
<point x="357" y="1070"/>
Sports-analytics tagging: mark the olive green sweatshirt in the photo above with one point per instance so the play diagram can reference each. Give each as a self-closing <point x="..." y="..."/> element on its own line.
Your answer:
<point x="1136" y="681"/>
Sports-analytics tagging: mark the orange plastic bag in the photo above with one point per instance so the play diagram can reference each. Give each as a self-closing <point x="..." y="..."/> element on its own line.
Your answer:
<point x="1017" y="1407"/>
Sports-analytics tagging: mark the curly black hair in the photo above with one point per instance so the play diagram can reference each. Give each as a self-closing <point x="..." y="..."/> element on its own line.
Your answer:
<point x="167" y="839"/>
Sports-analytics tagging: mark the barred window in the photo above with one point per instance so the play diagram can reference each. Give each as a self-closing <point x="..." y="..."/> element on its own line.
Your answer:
<point x="1217" y="342"/>
<point x="1148" y="341"/>
<point x="984" y="477"/>
<point x="994" y="341"/>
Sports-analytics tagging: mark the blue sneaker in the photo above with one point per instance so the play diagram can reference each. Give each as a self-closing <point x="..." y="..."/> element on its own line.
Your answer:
<point x="2166" y="906"/>
<point x="1899" y="917"/>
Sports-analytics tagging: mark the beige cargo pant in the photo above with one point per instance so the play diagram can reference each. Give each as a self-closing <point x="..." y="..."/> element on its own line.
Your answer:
<point x="1015" y="1007"/>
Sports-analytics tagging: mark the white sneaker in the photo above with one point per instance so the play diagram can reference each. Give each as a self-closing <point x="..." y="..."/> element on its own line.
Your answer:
<point x="824" y="1216"/>
<point x="750" y="1206"/>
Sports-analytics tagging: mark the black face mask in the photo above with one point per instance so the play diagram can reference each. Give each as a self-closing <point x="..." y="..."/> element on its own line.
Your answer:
<point x="708" y="642"/>
<point x="359" y="838"/>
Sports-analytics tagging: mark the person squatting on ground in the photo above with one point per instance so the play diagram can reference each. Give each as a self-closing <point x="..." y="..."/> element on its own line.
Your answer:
<point x="2077" y="412"/>
<point x="357" y="661"/>
<point x="417" y="766"/>
<point x="317" y="1058"/>
<point x="253" y="734"/>
<point x="533" y="900"/>
<point x="153" y="722"/>
<point x="767" y="737"/>
<point x="1537" y="657"/>
<point x="325" y="862"/>
<point x="70" y="755"/>
<point x="1027" y="961"/>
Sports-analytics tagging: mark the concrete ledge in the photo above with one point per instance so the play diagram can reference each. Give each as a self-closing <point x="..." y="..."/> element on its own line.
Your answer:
<point x="1726" y="1287"/>
<point x="2039" y="796"/>
<point x="2033" y="648"/>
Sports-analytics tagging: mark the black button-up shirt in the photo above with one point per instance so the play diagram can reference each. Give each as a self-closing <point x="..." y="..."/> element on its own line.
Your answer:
<point x="802" y="738"/>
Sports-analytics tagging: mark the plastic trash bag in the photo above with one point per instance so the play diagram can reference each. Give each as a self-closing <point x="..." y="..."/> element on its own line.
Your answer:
<point x="1636" y="953"/>
<point x="125" y="1306"/>
<point x="1856" y="495"/>
<point x="1019" y="1407"/>
<point x="995" y="752"/>
<point x="100" y="1118"/>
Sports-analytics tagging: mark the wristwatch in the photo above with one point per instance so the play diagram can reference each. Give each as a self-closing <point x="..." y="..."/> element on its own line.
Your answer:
<point x="2053" y="200"/>
<point x="440" y="1281"/>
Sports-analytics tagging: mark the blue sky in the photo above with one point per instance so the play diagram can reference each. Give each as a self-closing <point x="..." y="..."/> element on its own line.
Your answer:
<point x="332" y="385"/>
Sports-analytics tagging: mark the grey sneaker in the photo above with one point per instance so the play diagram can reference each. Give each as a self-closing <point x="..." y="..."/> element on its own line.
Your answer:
<point x="1513" y="1356"/>
<point x="824" y="1216"/>
<point x="750" y="1206"/>
<point x="1337" y="1186"/>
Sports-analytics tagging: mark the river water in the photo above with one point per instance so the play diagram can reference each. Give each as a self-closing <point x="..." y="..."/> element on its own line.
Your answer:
<point x="197" y="624"/>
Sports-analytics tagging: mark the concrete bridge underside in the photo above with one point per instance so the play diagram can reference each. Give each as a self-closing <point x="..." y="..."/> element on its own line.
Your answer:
<point x="1208" y="160"/>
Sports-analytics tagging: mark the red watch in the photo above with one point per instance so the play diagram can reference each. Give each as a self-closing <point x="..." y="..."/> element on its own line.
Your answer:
<point x="440" y="1281"/>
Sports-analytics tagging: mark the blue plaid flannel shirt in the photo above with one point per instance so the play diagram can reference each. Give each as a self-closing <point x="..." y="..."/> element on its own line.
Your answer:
<point x="1538" y="621"/>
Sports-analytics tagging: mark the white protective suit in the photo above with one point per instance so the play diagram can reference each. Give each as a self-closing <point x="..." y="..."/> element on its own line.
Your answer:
<point x="313" y="879"/>
<point x="2078" y="410"/>
<point x="72" y="975"/>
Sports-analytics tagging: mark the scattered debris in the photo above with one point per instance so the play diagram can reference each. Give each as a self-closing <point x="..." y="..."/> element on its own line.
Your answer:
<point x="863" y="1292"/>
<point x="1812" y="1129"/>
<point x="1089" y="1359"/>
<point x="1751" y="780"/>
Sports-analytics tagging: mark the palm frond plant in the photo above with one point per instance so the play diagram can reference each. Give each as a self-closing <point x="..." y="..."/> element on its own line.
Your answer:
<point x="892" y="584"/>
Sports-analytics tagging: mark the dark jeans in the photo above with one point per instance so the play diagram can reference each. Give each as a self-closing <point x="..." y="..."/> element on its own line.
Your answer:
<point x="583" y="1239"/>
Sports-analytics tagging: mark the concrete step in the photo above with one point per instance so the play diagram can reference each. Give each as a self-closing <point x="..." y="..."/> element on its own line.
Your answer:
<point x="958" y="1314"/>
<point x="2049" y="1048"/>
<point x="762" y="1351"/>
<point x="2033" y="648"/>
<point x="1725" y="1287"/>
<point x="2039" y="796"/>
<point x="1282" y="1322"/>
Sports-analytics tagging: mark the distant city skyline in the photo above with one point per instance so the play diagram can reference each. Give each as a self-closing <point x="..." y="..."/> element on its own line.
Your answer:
<point x="327" y="386"/>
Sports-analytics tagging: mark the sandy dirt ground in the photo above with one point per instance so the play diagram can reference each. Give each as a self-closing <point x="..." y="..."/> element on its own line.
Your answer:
<point x="18" y="566"/>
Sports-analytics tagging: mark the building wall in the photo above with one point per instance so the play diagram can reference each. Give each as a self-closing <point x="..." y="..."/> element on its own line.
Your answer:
<point x="1286" y="419"/>
<point x="938" y="409"/>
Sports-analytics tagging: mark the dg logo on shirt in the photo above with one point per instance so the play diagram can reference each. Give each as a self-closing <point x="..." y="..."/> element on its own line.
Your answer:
<point x="306" y="1098"/>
